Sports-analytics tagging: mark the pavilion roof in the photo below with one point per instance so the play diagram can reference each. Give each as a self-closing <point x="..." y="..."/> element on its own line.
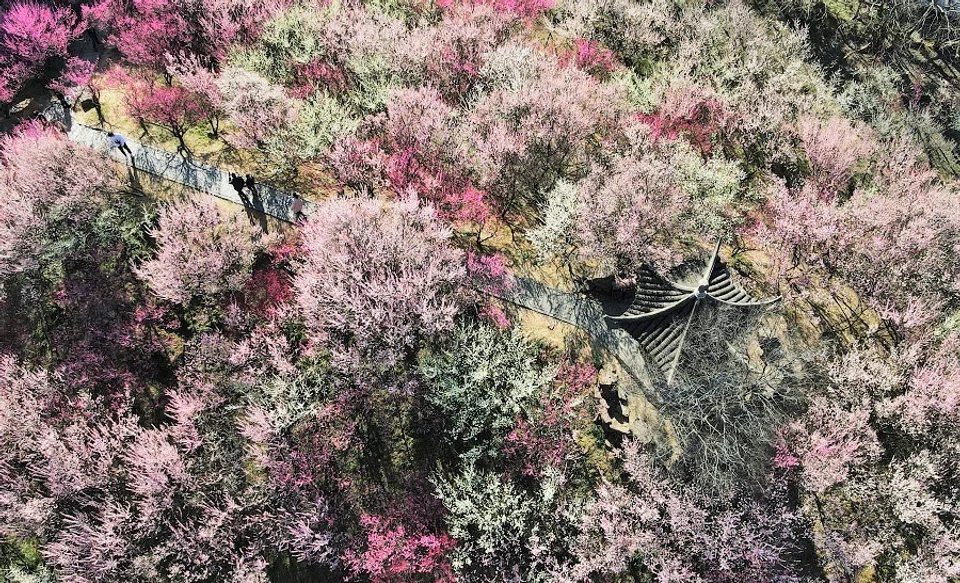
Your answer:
<point x="661" y="311"/>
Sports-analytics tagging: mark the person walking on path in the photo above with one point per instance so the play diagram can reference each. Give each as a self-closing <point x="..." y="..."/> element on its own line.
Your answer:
<point x="236" y="181"/>
<point x="119" y="142"/>
<point x="296" y="208"/>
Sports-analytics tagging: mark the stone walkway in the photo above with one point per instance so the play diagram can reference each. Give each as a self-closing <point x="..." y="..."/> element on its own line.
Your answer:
<point x="268" y="200"/>
<point x="584" y="313"/>
<point x="574" y="309"/>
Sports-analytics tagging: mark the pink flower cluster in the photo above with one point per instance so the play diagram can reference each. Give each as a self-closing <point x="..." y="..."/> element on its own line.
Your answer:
<point x="395" y="555"/>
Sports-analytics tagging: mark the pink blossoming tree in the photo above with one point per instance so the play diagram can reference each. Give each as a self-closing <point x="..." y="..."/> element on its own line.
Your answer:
<point x="203" y="253"/>
<point x="46" y="183"/>
<point x="377" y="279"/>
<point x="650" y="524"/>
<point x="31" y="34"/>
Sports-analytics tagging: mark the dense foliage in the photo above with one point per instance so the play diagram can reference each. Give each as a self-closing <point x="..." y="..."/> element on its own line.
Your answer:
<point x="187" y="398"/>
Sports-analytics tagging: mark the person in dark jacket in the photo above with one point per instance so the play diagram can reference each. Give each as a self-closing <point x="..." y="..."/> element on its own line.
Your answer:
<point x="236" y="181"/>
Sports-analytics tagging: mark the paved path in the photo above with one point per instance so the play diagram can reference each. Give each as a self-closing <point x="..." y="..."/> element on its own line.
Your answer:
<point x="574" y="309"/>
<point x="268" y="200"/>
<point x="584" y="313"/>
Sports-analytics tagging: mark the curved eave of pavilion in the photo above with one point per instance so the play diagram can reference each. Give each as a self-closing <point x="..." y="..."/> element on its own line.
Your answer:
<point x="654" y="314"/>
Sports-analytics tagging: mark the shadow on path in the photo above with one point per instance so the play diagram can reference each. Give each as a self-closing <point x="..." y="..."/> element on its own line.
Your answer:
<point x="266" y="199"/>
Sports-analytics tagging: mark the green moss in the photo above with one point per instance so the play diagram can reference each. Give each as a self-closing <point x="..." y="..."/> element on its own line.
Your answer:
<point x="951" y="324"/>
<point x="21" y="555"/>
<point x="843" y="10"/>
<point x="26" y="549"/>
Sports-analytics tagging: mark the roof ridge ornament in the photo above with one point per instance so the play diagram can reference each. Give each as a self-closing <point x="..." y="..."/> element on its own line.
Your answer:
<point x="661" y="311"/>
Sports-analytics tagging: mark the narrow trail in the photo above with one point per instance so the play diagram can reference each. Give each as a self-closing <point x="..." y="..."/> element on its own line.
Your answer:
<point x="571" y="308"/>
<point x="210" y="180"/>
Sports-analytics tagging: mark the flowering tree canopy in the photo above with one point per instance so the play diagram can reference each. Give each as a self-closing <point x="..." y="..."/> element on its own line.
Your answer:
<point x="377" y="279"/>
<point x="377" y="392"/>
<point x="31" y="35"/>
<point x="202" y="252"/>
